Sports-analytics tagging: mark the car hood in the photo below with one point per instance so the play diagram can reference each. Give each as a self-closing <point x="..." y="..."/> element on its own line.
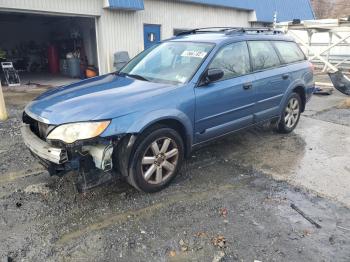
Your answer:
<point x="103" y="97"/>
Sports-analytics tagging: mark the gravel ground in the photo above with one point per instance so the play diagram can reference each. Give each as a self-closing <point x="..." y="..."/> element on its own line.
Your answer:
<point x="220" y="208"/>
<point x="12" y="145"/>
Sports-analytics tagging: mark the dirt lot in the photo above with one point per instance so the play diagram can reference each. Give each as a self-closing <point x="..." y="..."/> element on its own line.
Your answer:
<point x="231" y="201"/>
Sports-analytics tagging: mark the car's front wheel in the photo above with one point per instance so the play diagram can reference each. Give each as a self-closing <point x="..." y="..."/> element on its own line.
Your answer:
<point x="156" y="159"/>
<point x="290" y="115"/>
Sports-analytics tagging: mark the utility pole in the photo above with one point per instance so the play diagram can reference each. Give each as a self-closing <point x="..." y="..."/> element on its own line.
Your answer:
<point x="3" y="113"/>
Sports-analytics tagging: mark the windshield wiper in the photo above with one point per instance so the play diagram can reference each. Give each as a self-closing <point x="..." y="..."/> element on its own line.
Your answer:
<point x="137" y="77"/>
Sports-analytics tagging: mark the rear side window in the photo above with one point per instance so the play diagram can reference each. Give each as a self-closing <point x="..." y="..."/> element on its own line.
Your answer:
<point x="289" y="51"/>
<point x="263" y="55"/>
<point x="233" y="59"/>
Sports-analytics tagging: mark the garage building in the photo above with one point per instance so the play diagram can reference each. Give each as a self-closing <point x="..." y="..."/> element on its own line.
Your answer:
<point x="59" y="36"/>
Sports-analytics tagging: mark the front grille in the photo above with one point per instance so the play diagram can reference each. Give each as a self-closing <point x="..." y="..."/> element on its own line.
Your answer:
<point x="38" y="128"/>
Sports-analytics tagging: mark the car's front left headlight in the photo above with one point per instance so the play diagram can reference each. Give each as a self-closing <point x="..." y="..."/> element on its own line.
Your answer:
<point x="70" y="133"/>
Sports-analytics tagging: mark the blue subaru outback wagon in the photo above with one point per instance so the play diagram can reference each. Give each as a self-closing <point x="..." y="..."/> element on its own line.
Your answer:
<point x="142" y="121"/>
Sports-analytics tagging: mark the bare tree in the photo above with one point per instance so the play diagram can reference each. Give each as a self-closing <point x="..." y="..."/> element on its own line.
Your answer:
<point x="322" y="8"/>
<point x="331" y="8"/>
<point x="341" y="9"/>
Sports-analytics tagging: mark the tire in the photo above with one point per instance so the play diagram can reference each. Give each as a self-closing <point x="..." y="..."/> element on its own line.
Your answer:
<point x="156" y="158"/>
<point x="290" y="115"/>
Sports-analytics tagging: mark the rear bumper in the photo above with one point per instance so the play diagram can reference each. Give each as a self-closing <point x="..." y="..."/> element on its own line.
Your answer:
<point x="41" y="148"/>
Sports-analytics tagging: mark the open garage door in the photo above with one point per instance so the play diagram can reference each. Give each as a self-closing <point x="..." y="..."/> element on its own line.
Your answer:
<point x="48" y="49"/>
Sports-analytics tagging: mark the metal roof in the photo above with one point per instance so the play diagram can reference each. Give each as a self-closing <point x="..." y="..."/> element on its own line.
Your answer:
<point x="287" y="10"/>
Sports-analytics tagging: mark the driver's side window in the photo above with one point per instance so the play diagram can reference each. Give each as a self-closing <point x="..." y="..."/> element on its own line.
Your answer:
<point x="233" y="59"/>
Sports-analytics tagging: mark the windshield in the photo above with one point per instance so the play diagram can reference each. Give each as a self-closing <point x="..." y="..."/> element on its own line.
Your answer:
<point x="169" y="62"/>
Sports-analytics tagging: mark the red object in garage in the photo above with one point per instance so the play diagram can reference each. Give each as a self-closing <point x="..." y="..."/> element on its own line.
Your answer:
<point x="53" y="60"/>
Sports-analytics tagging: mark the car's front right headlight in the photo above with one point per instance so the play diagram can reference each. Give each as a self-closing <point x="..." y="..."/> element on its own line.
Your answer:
<point x="69" y="133"/>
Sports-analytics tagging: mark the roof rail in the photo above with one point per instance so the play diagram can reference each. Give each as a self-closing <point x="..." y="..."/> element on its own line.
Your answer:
<point x="206" y="30"/>
<point x="232" y="30"/>
<point x="255" y="30"/>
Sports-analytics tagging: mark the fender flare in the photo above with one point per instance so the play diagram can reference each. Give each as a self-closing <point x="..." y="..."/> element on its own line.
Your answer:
<point x="161" y="115"/>
<point x="137" y="122"/>
<point x="289" y="90"/>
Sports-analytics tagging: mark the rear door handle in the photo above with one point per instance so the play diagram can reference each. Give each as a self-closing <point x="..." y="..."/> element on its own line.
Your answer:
<point x="247" y="86"/>
<point x="285" y="76"/>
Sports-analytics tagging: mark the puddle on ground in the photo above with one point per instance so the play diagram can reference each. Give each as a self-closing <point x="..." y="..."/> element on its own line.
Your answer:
<point x="311" y="156"/>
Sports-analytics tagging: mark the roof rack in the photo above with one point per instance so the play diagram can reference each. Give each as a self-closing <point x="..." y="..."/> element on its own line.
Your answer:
<point x="256" y="30"/>
<point x="232" y="30"/>
<point x="205" y="30"/>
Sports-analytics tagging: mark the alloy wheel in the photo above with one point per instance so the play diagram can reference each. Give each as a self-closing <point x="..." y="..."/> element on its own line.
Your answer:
<point x="159" y="160"/>
<point x="291" y="113"/>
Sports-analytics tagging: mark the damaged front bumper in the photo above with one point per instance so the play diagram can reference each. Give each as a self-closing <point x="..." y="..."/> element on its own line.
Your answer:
<point x="83" y="157"/>
<point x="41" y="148"/>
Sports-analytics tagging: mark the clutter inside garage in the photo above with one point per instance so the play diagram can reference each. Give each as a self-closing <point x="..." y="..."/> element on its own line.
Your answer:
<point x="44" y="50"/>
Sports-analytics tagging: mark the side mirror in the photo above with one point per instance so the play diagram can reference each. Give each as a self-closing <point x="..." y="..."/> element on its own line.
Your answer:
<point x="212" y="75"/>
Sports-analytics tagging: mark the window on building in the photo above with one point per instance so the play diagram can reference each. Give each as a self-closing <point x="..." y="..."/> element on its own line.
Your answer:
<point x="289" y="51"/>
<point x="233" y="59"/>
<point x="263" y="55"/>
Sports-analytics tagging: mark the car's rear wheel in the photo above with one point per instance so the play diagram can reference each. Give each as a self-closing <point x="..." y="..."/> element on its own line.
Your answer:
<point x="290" y="115"/>
<point x="156" y="159"/>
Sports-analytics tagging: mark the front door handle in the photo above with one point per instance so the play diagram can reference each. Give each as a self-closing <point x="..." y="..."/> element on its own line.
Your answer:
<point x="285" y="76"/>
<point x="247" y="86"/>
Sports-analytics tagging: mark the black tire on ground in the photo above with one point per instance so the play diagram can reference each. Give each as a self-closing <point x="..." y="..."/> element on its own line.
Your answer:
<point x="143" y="152"/>
<point x="290" y="115"/>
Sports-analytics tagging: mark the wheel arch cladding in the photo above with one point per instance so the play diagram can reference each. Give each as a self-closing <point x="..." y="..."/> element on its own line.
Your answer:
<point x="178" y="126"/>
<point x="300" y="90"/>
<point x="139" y="122"/>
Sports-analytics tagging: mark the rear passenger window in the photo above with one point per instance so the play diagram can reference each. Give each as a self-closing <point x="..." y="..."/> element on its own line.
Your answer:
<point x="289" y="51"/>
<point x="263" y="55"/>
<point x="233" y="59"/>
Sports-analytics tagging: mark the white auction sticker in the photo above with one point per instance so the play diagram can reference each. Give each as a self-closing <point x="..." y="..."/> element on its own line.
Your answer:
<point x="199" y="54"/>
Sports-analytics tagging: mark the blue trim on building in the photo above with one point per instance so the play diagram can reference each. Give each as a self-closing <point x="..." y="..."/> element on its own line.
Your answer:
<point x="134" y="5"/>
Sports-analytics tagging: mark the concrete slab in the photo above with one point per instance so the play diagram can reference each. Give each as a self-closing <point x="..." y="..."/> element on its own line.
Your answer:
<point x="316" y="156"/>
<point x="46" y="79"/>
<point x="319" y="103"/>
<point x="30" y="81"/>
<point x="324" y="164"/>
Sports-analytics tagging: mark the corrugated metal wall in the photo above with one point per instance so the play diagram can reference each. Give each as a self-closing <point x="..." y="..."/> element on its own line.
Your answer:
<point x="77" y="7"/>
<point x="121" y="30"/>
